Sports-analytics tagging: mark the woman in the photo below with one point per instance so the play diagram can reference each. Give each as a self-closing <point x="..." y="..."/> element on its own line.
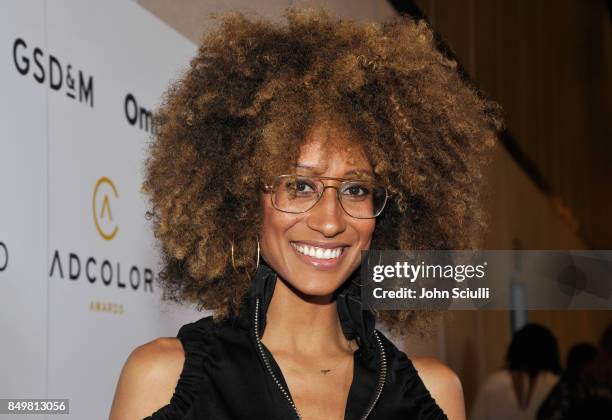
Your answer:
<point x="283" y="152"/>
<point x="517" y="392"/>
<point x="570" y="387"/>
<point x="585" y="393"/>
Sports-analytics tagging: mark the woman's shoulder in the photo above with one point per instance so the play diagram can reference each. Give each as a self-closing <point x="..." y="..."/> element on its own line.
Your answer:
<point x="157" y="362"/>
<point x="443" y="384"/>
<point x="158" y="354"/>
<point x="435" y="374"/>
<point x="161" y="376"/>
<point x="439" y="380"/>
<point x="148" y="378"/>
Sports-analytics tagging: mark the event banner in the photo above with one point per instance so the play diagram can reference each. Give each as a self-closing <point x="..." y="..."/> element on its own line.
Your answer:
<point x="80" y="81"/>
<point x="479" y="280"/>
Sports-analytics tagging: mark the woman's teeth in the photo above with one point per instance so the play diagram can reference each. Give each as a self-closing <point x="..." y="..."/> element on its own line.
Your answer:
<point x="321" y="253"/>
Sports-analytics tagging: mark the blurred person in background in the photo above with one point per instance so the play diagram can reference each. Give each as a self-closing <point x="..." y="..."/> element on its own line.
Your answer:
<point x="532" y="370"/>
<point x="587" y="394"/>
<point x="579" y="358"/>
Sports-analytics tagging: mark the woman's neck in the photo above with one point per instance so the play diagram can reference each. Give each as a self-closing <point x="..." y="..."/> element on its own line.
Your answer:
<point x="303" y="324"/>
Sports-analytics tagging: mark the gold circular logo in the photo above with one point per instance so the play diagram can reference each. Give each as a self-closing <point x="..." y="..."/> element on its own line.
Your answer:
<point x="102" y="212"/>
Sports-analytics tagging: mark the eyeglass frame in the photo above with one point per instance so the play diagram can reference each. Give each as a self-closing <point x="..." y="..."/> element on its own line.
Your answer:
<point x="270" y="189"/>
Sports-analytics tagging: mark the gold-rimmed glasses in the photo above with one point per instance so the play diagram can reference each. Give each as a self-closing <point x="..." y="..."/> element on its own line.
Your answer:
<point x="361" y="199"/>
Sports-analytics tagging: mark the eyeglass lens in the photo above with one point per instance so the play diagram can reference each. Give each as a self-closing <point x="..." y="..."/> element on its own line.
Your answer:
<point x="298" y="194"/>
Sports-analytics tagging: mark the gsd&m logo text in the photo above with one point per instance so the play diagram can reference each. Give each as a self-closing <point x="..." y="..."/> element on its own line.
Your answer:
<point x="49" y="68"/>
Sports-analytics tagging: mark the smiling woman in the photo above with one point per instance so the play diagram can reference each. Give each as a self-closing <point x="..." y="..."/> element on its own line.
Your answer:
<point x="282" y="153"/>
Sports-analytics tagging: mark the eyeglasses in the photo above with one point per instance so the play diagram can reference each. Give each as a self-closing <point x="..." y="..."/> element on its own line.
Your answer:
<point x="298" y="193"/>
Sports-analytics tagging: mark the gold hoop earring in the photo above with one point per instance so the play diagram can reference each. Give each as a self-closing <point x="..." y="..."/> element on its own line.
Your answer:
<point x="361" y="284"/>
<point x="356" y="283"/>
<point x="257" y="265"/>
<point x="232" y="254"/>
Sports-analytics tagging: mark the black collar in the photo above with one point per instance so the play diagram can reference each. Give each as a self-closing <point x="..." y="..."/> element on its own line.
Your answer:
<point x="356" y="323"/>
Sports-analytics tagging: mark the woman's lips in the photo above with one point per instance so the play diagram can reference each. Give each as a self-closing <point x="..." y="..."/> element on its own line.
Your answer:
<point x="319" y="263"/>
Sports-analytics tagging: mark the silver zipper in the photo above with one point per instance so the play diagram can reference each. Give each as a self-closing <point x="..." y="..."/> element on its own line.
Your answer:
<point x="267" y="363"/>
<point x="381" y="378"/>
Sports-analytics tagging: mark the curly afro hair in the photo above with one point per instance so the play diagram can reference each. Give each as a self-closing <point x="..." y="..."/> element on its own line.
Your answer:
<point x="243" y="108"/>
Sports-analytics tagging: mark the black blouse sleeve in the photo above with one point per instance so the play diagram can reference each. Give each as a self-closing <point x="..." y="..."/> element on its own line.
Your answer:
<point x="192" y="375"/>
<point x="415" y="397"/>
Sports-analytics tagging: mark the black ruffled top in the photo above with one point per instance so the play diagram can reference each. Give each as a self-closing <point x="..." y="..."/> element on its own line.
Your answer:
<point x="229" y="374"/>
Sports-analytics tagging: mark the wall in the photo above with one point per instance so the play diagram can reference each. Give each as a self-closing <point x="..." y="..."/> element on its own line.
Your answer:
<point x="77" y="258"/>
<point x="549" y="63"/>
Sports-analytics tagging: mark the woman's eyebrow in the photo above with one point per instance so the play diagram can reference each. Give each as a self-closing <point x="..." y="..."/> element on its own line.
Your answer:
<point x="360" y="173"/>
<point x="314" y="169"/>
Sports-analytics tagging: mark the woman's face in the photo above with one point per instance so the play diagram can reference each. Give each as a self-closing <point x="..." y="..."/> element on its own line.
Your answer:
<point x="326" y="225"/>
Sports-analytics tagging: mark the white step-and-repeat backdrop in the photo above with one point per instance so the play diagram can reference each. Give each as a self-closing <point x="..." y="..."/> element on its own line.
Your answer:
<point x="78" y="83"/>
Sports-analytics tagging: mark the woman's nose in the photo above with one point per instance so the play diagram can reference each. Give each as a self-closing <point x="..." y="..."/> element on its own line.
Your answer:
<point x="328" y="216"/>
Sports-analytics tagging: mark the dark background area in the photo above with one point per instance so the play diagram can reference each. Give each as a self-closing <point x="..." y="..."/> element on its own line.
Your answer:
<point x="549" y="64"/>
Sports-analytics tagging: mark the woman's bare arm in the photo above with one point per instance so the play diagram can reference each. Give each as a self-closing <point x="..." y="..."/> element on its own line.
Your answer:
<point x="443" y="385"/>
<point x="148" y="379"/>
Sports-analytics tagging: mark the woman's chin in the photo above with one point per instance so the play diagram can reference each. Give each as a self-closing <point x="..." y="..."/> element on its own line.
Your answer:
<point x="315" y="290"/>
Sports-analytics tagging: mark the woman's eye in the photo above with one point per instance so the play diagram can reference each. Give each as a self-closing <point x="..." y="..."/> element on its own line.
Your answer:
<point x="303" y="186"/>
<point x="356" y="190"/>
<point x="300" y="187"/>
